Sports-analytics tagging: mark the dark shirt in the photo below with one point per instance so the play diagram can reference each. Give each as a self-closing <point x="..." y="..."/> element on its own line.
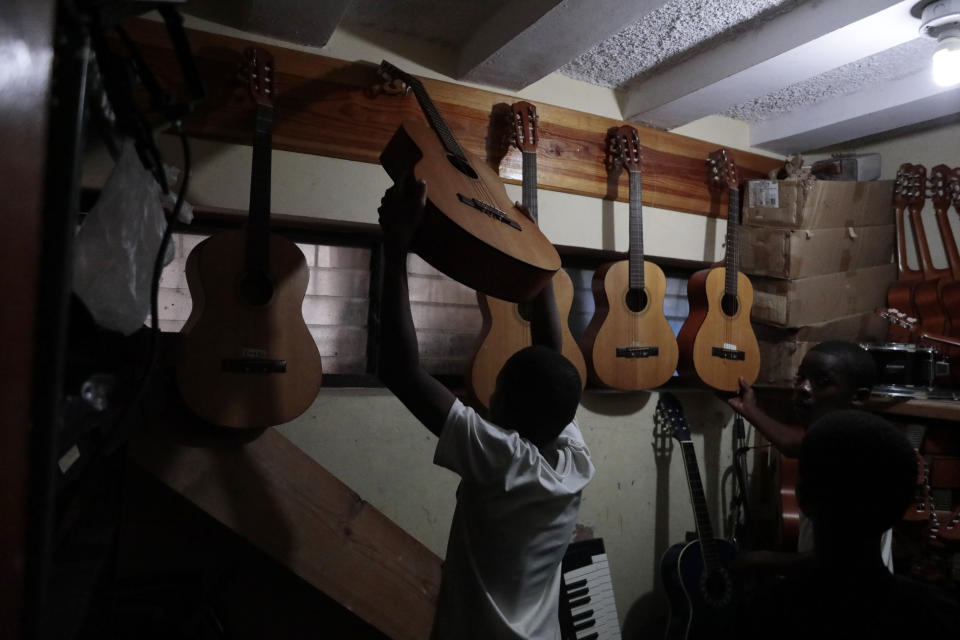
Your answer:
<point x="821" y="604"/>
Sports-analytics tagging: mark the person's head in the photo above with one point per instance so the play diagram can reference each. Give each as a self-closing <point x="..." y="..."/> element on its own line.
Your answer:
<point x="537" y="394"/>
<point x="856" y="475"/>
<point x="833" y="375"/>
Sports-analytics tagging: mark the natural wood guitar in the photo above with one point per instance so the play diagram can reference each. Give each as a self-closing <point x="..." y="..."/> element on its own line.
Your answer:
<point x="702" y="593"/>
<point x="717" y="343"/>
<point x="248" y="359"/>
<point x="628" y="343"/>
<point x="506" y="325"/>
<point x="900" y="294"/>
<point x="470" y="229"/>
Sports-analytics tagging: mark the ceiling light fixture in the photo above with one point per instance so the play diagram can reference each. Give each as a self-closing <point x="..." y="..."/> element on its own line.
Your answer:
<point x="941" y="20"/>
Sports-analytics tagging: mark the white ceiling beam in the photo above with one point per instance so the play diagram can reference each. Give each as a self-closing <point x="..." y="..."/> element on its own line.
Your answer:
<point x="298" y="21"/>
<point x="813" y="38"/>
<point x="883" y="107"/>
<point x="529" y="40"/>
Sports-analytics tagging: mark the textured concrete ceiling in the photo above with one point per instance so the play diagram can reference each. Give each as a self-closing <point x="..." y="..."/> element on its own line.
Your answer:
<point x="761" y="61"/>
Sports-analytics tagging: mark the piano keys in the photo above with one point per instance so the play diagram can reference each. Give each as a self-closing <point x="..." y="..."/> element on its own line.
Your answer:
<point x="587" y="608"/>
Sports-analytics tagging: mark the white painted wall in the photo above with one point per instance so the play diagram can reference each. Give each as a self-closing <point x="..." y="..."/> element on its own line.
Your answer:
<point x="366" y="437"/>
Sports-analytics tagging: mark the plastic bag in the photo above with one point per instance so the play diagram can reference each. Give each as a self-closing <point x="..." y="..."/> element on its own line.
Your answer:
<point x="117" y="245"/>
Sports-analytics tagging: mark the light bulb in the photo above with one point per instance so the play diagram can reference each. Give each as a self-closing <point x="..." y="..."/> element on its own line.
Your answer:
<point x="946" y="61"/>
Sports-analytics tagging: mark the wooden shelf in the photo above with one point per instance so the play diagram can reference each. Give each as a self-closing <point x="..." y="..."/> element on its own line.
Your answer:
<point x="948" y="410"/>
<point x="326" y="106"/>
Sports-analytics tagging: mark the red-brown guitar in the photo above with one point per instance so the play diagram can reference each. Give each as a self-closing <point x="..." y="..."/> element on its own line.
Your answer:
<point x="926" y="295"/>
<point x="717" y="342"/>
<point x="506" y="325"/>
<point x="945" y="184"/>
<point x="248" y="359"/>
<point x="900" y="294"/>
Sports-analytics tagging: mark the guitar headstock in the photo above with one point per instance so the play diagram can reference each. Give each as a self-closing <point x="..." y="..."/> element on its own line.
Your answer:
<point x="940" y="186"/>
<point x="722" y="171"/>
<point x="623" y="148"/>
<point x="897" y="317"/>
<point x="910" y="185"/>
<point x="259" y="75"/>
<point x="954" y="183"/>
<point x="525" y="132"/>
<point x="669" y="415"/>
<point x="394" y="80"/>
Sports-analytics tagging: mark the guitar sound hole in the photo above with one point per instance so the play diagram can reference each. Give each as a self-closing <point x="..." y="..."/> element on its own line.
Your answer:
<point x="636" y="300"/>
<point x="729" y="304"/>
<point x="256" y="289"/>
<point x="525" y="309"/>
<point x="462" y="166"/>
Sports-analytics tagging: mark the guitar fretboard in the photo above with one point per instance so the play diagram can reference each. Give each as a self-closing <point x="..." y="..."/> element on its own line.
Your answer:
<point x="530" y="183"/>
<point x="733" y="243"/>
<point x="711" y="557"/>
<point x="258" y="222"/>
<point x="636" y="231"/>
<point x="435" y="119"/>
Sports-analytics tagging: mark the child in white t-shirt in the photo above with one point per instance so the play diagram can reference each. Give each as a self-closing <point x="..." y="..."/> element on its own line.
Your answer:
<point x="521" y="472"/>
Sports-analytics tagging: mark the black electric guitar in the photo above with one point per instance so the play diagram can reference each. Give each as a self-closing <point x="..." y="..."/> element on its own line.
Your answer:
<point x="701" y="591"/>
<point x="248" y="359"/>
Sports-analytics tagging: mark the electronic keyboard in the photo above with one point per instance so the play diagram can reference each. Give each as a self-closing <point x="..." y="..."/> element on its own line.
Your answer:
<point x="587" y="607"/>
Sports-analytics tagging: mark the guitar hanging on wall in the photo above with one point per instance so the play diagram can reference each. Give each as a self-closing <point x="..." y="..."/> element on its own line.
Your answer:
<point x="926" y="293"/>
<point x="470" y="230"/>
<point x="248" y="359"/>
<point x="900" y="294"/>
<point x="702" y="593"/>
<point x="506" y="325"/>
<point x="628" y="343"/>
<point x="717" y="342"/>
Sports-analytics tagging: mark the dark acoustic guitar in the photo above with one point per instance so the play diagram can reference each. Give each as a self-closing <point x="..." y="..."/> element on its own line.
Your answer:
<point x="470" y="230"/>
<point x="900" y="294"/>
<point x="628" y="343"/>
<point x="248" y="359"/>
<point x="703" y="595"/>
<point x="717" y="343"/>
<point x="506" y="325"/>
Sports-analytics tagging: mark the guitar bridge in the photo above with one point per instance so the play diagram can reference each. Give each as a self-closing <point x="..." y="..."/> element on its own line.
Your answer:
<point x="727" y="354"/>
<point x="490" y="210"/>
<point x="637" y="352"/>
<point x="253" y="365"/>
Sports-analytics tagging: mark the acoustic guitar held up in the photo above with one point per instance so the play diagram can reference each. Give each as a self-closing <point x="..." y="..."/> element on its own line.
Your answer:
<point x="471" y="230"/>
<point x="248" y="359"/>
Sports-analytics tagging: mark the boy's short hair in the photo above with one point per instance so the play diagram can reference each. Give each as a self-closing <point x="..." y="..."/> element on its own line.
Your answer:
<point x="859" y="367"/>
<point x="846" y="449"/>
<point x="538" y="393"/>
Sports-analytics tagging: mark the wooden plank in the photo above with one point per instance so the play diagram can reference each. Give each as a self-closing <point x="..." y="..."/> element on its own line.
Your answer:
<point x="326" y="107"/>
<point x="278" y="498"/>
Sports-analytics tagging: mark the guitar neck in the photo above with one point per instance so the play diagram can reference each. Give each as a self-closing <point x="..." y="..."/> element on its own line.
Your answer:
<point x="949" y="243"/>
<point x="258" y="222"/>
<point x="636" y="231"/>
<point x="700" y="512"/>
<point x="530" y="183"/>
<point x="920" y="240"/>
<point x="733" y="242"/>
<point x="436" y="121"/>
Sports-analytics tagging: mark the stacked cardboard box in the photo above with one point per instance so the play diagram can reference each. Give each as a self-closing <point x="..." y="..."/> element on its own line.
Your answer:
<point x="820" y="257"/>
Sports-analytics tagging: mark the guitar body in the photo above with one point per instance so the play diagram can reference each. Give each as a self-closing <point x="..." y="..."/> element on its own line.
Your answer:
<point x="702" y="604"/>
<point x="709" y="328"/>
<point x="505" y="331"/>
<point x="929" y="306"/>
<point x="494" y="257"/>
<point x="615" y="325"/>
<point x="225" y="334"/>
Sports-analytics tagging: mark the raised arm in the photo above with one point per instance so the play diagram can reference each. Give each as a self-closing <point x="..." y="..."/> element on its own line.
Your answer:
<point x="786" y="438"/>
<point x="400" y="211"/>
<point x="545" y="327"/>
